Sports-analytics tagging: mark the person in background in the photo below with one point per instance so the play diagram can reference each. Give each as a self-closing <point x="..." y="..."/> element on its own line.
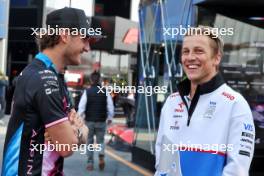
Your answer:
<point x="96" y="106"/>
<point x="3" y="85"/>
<point x="10" y="90"/>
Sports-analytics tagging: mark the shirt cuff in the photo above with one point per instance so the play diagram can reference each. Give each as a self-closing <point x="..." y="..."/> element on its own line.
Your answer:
<point x="56" y="122"/>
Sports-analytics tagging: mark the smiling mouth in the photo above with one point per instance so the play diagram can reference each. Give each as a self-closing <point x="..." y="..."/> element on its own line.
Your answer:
<point x="192" y="66"/>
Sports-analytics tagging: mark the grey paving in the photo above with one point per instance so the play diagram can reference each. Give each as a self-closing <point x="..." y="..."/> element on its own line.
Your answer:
<point x="76" y="165"/>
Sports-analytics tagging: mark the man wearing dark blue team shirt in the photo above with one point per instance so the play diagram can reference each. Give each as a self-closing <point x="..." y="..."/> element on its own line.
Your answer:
<point x="41" y="102"/>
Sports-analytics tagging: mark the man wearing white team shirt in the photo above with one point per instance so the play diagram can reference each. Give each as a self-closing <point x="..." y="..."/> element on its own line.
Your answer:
<point x="206" y="128"/>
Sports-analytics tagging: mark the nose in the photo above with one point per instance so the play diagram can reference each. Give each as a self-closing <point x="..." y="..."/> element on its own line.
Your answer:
<point x="191" y="56"/>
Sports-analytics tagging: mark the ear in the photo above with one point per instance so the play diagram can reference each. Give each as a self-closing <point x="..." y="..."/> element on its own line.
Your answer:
<point x="218" y="58"/>
<point x="64" y="36"/>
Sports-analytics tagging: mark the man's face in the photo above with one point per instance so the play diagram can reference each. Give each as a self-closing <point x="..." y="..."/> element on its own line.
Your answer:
<point x="199" y="61"/>
<point x="75" y="47"/>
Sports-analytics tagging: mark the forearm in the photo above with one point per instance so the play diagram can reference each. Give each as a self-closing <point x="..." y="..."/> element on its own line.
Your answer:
<point x="242" y="137"/>
<point x="79" y="127"/>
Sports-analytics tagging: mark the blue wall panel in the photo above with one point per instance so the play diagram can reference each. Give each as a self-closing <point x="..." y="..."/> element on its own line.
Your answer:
<point x="3" y="18"/>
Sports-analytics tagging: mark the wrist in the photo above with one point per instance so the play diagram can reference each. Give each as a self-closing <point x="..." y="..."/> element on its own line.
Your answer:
<point x="79" y="135"/>
<point x="83" y="134"/>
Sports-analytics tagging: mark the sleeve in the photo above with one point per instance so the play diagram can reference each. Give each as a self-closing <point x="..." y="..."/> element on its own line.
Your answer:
<point x="159" y="137"/>
<point x="50" y="102"/>
<point x="242" y="139"/>
<point x="110" y="107"/>
<point x="82" y="104"/>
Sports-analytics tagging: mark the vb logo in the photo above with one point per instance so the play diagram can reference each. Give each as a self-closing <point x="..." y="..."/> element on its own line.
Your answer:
<point x="248" y="127"/>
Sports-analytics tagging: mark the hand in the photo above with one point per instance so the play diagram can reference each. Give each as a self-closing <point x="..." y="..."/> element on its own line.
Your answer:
<point x="47" y="136"/>
<point x="75" y="119"/>
<point x="78" y="123"/>
<point x="72" y="115"/>
<point x="85" y="132"/>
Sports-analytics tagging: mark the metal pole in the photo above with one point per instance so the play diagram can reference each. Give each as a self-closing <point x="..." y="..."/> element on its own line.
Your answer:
<point x="166" y="47"/>
<point x="100" y="60"/>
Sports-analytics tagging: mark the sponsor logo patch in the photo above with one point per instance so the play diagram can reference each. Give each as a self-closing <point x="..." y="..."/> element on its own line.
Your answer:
<point x="180" y="107"/>
<point x="246" y="153"/>
<point x="248" y="127"/>
<point x="177" y="116"/>
<point x="229" y="96"/>
<point x="210" y="110"/>
<point x="246" y="140"/>
<point x="175" y="126"/>
<point x="249" y="135"/>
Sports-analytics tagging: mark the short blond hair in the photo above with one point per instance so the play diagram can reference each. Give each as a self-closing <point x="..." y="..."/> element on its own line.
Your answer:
<point x="217" y="44"/>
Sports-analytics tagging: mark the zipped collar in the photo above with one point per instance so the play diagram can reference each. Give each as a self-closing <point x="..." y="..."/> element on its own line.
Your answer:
<point x="184" y="88"/>
<point x="46" y="60"/>
<point x="49" y="65"/>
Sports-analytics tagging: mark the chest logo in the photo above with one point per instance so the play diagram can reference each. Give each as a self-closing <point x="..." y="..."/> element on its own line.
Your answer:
<point x="179" y="107"/>
<point x="210" y="110"/>
<point x="175" y="126"/>
<point x="229" y="96"/>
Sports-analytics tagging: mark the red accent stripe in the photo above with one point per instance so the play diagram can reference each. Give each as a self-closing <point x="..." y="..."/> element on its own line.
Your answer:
<point x="56" y="122"/>
<point x="174" y="95"/>
<point x="202" y="151"/>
